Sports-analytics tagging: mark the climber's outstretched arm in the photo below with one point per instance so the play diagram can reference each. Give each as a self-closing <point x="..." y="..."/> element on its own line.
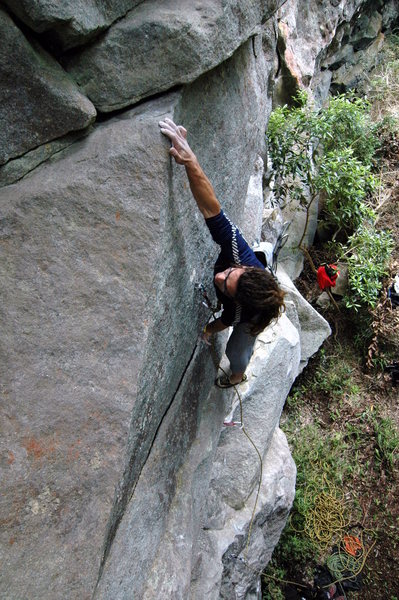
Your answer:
<point x="200" y="185"/>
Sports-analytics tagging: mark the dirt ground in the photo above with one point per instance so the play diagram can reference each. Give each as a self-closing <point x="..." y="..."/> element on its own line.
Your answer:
<point x="372" y="490"/>
<point x="375" y="489"/>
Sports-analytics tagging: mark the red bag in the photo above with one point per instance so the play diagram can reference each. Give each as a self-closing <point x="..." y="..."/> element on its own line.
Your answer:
<point x="327" y="276"/>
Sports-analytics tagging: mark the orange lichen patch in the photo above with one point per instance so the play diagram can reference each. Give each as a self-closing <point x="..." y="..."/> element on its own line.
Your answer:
<point x="289" y="55"/>
<point x="292" y="65"/>
<point x="39" y="448"/>
<point x="34" y="448"/>
<point x="283" y="30"/>
<point x="11" y="457"/>
<point x="73" y="452"/>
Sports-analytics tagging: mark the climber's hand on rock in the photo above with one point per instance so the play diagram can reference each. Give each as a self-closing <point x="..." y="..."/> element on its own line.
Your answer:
<point x="177" y="134"/>
<point x="206" y="337"/>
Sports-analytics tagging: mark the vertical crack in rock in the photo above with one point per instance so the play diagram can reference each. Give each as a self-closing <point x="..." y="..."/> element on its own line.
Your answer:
<point x="135" y="463"/>
<point x="129" y="488"/>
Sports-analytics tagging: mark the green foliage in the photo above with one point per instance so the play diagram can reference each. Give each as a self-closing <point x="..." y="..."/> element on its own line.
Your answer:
<point x="331" y="379"/>
<point x="346" y="183"/>
<point x="329" y="152"/>
<point x="368" y="260"/>
<point x="346" y="123"/>
<point x="289" y="139"/>
<point x="387" y="442"/>
<point x="271" y="578"/>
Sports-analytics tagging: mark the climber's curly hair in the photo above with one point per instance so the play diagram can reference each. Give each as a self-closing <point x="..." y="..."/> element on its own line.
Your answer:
<point x="260" y="292"/>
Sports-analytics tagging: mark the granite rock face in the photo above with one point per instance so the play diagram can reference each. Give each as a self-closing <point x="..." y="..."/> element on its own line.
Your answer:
<point x="164" y="43"/>
<point x="71" y="22"/>
<point x="76" y="317"/>
<point x="37" y="92"/>
<point x="116" y="463"/>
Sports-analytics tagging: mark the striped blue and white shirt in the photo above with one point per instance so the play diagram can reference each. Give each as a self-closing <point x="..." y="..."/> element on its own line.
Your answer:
<point x="234" y="250"/>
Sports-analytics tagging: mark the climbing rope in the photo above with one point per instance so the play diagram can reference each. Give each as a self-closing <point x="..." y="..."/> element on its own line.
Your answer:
<point x="326" y="525"/>
<point x="343" y="564"/>
<point x="325" y="520"/>
<point x="324" y="513"/>
<point x="242" y="427"/>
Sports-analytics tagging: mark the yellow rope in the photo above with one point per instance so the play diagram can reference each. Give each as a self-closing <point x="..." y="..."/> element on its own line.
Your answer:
<point x="325" y="521"/>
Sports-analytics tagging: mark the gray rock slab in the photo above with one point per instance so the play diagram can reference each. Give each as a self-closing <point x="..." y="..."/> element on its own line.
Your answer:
<point x="253" y="209"/>
<point x="212" y="109"/>
<point x="291" y="257"/>
<point x="96" y="334"/>
<point x="16" y="169"/>
<point x="217" y="574"/>
<point x="348" y="76"/>
<point x="151" y="554"/>
<point x="71" y="22"/>
<point x="164" y="43"/>
<point x="341" y="286"/>
<point x="271" y="372"/>
<point x="312" y="327"/>
<point x="80" y="239"/>
<point x="38" y="100"/>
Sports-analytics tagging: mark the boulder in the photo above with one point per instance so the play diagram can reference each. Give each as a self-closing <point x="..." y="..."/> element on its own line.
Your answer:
<point x="80" y="274"/>
<point x="312" y="327"/>
<point x="101" y="318"/>
<point x="161" y="44"/>
<point x="159" y="540"/>
<point x="227" y="561"/>
<point x="151" y="554"/>
<point x="271" y="373"/>
<point x="71" y="22"/>
<point x="38" y="100"/>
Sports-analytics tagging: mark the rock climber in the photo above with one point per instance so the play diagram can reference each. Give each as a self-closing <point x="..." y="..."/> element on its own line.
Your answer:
<point x="250" y="295"/>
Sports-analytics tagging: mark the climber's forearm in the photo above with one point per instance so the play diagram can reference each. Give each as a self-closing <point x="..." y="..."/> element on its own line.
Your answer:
<point x="202" y="190"/>
<point x="215" y="326"/>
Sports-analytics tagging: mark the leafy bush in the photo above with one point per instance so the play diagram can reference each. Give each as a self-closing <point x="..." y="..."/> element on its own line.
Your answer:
<point x="367" y="264"/>
<point x="329" y="152"/>
<point x="346" y="183"/>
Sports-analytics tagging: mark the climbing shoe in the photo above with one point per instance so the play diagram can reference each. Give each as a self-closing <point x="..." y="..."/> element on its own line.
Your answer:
<point x="224" y="382"/>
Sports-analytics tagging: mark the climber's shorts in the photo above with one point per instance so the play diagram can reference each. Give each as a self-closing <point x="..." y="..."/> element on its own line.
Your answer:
<point x="240" y="347"/>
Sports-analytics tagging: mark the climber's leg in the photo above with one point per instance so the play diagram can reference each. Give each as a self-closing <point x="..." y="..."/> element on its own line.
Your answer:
<point x="239" y="351"/>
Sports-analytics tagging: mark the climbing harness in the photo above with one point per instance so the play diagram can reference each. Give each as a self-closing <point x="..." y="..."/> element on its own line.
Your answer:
<point x="268" y="254"/>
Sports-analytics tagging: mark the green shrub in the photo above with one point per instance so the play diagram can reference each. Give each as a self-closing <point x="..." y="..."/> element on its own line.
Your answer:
<point x="387" y="442"/>
<point x="329" y="152"/>
<point x="369" y="253"/>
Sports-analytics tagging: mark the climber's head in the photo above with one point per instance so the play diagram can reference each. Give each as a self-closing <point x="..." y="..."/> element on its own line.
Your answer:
<point x="226" y="281"/>
<point x="258" y="290"/>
